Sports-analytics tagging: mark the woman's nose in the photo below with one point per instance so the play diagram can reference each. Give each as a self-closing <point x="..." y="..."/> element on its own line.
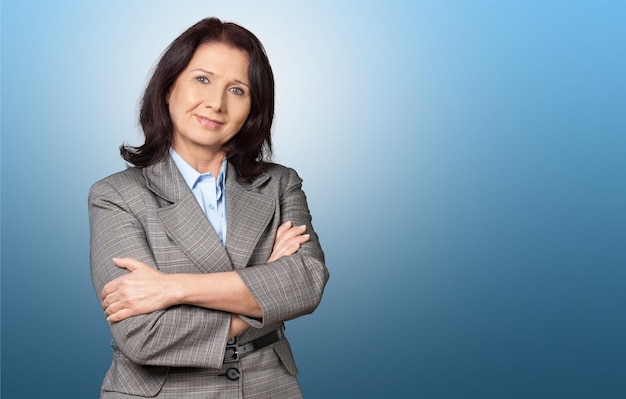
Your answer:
<point x="215" y="101"/>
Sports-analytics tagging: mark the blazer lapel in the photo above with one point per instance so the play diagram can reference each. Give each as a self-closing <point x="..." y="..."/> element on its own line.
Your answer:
<point x="248" y="215"/>
<point x="183" y="219"/>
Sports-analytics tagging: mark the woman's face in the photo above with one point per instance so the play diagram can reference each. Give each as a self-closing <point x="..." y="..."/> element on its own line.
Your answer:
<point x="210" y="100"/>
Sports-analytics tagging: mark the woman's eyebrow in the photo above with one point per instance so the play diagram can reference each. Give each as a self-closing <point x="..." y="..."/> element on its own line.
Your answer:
<point x="211" y="73"/>
<point x="202" y="70"/>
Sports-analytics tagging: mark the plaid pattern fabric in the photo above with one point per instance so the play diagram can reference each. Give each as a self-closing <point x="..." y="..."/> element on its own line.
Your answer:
<point x="151" y="215"/>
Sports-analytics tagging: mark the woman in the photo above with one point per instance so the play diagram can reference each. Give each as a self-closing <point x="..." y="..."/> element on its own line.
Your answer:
<point x="202" y="249"/>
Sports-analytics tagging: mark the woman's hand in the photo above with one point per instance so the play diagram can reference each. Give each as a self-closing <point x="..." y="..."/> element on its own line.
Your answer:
<point x="144" y="290"/>
<point x="288" y="240"/>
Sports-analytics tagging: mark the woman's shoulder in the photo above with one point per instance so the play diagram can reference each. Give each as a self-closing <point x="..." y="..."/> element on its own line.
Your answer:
<point x="130" y="176"/>
<point x="282" y="173"/>
<point x="128" y="179"/>
<point x="277" y="178"/>
<point x="276" y="169"/>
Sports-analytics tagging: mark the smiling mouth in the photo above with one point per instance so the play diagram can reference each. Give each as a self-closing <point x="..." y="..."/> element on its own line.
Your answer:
<point x="209" y="123"/>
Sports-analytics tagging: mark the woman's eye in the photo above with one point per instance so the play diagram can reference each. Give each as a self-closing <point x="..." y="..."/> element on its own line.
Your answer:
<point x="238" y="91"/>
<point x="202" y="80"/>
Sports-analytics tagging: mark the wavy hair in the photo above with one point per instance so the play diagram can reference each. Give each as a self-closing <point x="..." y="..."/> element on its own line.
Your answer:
<point x="250" y="149"/>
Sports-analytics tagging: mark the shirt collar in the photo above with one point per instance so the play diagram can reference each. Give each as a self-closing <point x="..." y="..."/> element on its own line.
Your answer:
<point x="190" y="175"/>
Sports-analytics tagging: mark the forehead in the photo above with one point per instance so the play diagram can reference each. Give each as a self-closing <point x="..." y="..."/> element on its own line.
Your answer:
<point x="220" y="58"/>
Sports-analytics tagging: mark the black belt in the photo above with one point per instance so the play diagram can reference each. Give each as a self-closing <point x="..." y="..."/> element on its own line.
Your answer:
<point x="235" y="352"/>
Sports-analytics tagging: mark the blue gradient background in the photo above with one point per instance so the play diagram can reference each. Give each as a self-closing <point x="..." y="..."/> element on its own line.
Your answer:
<point x="464" y="163"/>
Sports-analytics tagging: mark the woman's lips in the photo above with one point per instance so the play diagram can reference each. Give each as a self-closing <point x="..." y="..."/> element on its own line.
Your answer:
<point x="208" y="122"/>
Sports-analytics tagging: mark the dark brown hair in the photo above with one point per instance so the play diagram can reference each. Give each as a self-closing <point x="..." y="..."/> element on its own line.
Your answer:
<point x="250" y="150"/>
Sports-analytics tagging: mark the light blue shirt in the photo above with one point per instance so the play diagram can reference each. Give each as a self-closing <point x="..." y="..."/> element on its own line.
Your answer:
<point x="211" y="195"/>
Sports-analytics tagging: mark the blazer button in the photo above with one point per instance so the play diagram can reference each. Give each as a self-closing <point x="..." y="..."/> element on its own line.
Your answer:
<point x="232" y="374"/>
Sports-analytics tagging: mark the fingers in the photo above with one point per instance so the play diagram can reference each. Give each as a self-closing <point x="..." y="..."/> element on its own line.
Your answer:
<point x="108" y="306"/>
<point x="286" y="231"/>
<point x="129" y="264"/>
<point x="108" y="297"/>
<point x="301" y="239"/>
<point x="108" y="289"/>
<point x="288" y="240"/>
<point x="113" y="285"/>
<point x="114" y="317"/>
<point x="283" y="227"/>
<point x="292" y="245"/>
<point x="117" y="309"/>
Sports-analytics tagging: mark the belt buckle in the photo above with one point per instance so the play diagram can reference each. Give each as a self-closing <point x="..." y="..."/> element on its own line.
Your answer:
<point x="231" y="354"/>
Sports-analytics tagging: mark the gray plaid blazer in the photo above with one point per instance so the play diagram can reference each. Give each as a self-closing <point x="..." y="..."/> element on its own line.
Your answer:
<point x="151" y="214"/>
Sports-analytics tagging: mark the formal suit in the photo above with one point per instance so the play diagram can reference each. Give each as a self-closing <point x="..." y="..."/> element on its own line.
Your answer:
<point x="151" y="214"/>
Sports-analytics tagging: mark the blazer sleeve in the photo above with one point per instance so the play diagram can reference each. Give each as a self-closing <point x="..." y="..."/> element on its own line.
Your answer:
<point x="185" y="336"/>
<point x="291" y="286"/>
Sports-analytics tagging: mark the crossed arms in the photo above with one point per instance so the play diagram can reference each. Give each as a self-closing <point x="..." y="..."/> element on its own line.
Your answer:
<point x="176" y="316"/>
<point x="145" y="289"/>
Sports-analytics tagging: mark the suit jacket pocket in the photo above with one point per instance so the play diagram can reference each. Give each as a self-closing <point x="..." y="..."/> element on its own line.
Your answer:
<point x="134" y="379"/>
<point x="283" y="351"/>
